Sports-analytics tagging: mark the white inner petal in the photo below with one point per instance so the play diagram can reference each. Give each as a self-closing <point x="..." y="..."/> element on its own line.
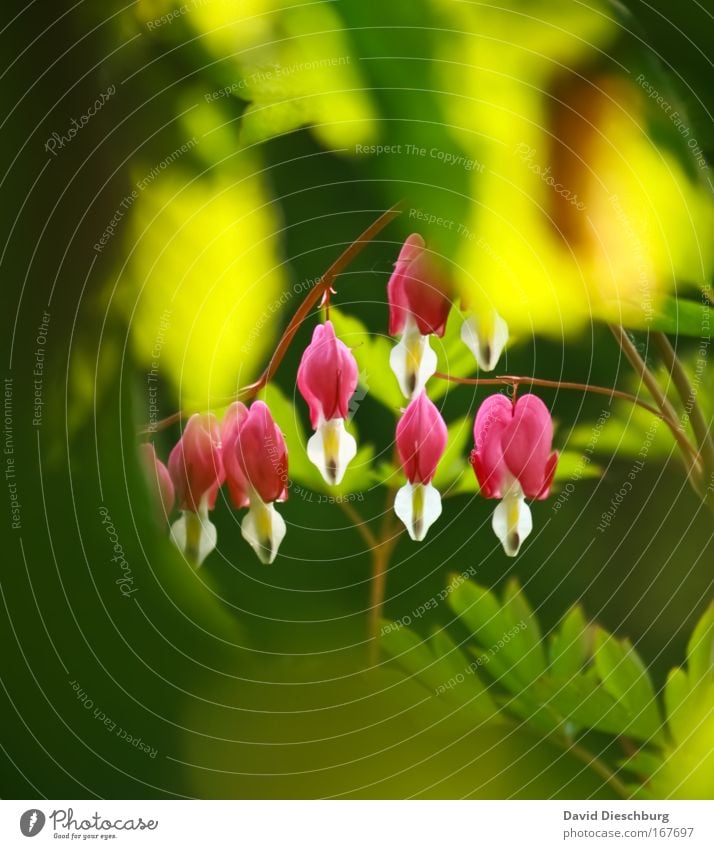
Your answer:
<point x="412" y="360"/>
<point x="512" y="520"/>
<point x="418" y="505"/>
<point x="195" y="535"/>
<point x="331" y="449"/>
<point x="486" y="336"/>
<point x="263" y="528"/>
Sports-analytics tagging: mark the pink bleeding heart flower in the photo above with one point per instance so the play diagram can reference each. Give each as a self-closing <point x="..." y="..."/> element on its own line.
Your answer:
<point x="327" y="378"/>
<point x="158" y="478"/>
<point x="196" y="469"/>
<point x="196" y="464"/>
<point x="258" y="468"/>
<point x="513" y="460"/>
<point x="233" y="420"/>
<point x="418" y="307"/>
<point x="421" y="441"/>
<point x="262" y="454"/>
<point x="415" y="290"/>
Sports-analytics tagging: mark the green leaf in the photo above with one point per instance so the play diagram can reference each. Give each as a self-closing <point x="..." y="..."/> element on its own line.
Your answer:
<point x="569" y="645"/>
<point x="625" y="677"/>
<point x="680" y="317"/>
<point x="643" y="763"/>
<point x="676" y="695"/>
<point x="700" y="649"/>
<point x="495" y="629"/>
<point x="574" y="466"/>
<point x="472" y="688"/>
<point x="529" y="642"/>
<point x="372" y="355"/>
<point x="584" y="702"/>
<point x="445" y="674"/>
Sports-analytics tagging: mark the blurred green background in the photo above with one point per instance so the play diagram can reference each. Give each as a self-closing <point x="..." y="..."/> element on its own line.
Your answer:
<point x="228" y="165"/>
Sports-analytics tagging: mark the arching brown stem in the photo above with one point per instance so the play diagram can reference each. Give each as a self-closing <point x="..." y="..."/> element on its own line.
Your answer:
<point x="517" y="381"/>
<point x="319" y="291"/>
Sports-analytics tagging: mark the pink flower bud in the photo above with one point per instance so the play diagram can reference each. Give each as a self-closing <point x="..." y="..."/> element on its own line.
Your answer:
<point x="327" y="376"/>
<point x="416" y="290"/>
<point x="195" y="463"/>
<point x="157" y="476"/>
<point x="261" y="454"/>
<point x="421" y="439"/>
<point x="513" y="443"/>
<point x="233" y="420"/>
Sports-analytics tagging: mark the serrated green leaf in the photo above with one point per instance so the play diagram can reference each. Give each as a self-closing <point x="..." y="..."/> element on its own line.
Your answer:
<point x="483" y="615"/>
<point x="700" y="649"/>
<point x="676" y="692"/>
<point x="456" y="662"/>
<point x="569" y="645"/>
<point x="442" y="673"/>
<point x="584" y="702"/>
<point x="625" y="677"/>
<point x="527" y="639"/>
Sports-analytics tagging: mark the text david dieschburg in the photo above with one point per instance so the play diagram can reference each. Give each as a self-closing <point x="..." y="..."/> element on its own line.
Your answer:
<point x="605" y="816"/>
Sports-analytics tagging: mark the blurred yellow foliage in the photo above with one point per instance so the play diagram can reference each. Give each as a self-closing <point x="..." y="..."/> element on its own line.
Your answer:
<point x="202" y="281"/>
<point x="579" y="212"/>
<point x="295" y="67"/>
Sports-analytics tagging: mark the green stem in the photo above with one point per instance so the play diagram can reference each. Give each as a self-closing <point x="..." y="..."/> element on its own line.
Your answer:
<point x="515" y="381"/>
<point x="597" y="766"/>
<point x="689" y="399"/>
<point x="670" y="414"/>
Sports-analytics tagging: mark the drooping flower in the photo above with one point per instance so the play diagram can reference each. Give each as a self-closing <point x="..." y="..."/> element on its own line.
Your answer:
<point x="196" y="469"/>
<point x="485" y="333"/>
<point x="513" y="460"/>
<point x="327" y="379"/>
<point x="158" y="478"/>
<point x="233" y="420"/>
<point x="421" y="441"/>
<point x="418" y="307"/>
<point x="256" y="459"/>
